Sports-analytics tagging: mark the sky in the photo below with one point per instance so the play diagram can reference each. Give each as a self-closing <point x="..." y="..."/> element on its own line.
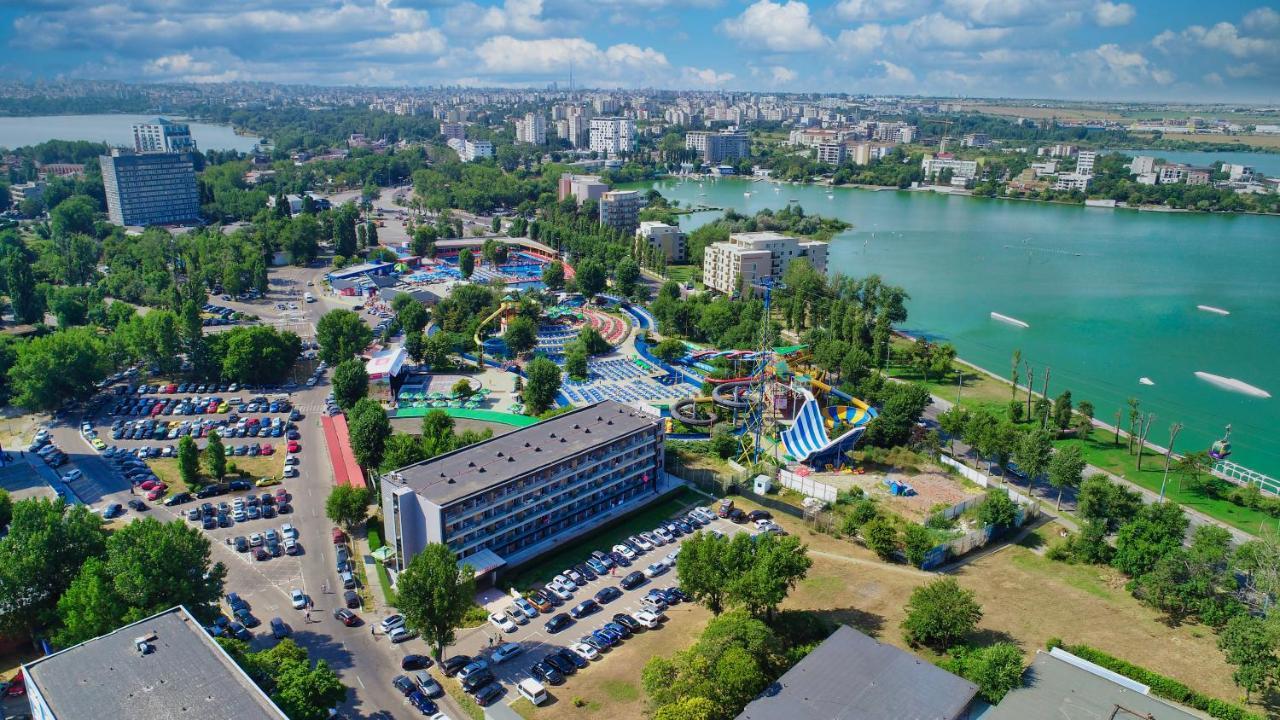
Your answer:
<point x="1174" y="50"/>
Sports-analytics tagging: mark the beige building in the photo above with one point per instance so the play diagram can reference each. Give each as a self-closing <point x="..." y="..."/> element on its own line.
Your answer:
<point x="621" y="209"/>
<point x="669" y="239"/>
<point x="581" y="187"/>
<point x="734" y="267"/>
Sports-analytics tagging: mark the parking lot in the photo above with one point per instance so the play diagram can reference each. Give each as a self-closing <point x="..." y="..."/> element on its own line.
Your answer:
<point x="587" y="636"/>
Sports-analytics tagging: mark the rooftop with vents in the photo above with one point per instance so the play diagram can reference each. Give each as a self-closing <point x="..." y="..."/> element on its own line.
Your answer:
<point x="162" y="667"/>
<point x="476" y="468"/>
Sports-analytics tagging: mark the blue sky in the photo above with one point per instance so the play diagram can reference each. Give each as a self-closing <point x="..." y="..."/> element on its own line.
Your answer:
<point x="1178" y="50"/>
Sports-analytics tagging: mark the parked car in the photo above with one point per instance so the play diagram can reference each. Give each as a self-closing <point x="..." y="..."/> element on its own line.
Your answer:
<point x="391" y="622"/>
<point x="400" y="634"/>
<point x="633" y="580"/>
<point x="607" y="594"/>
<point x="655" y="569"/>
<point x="502" y="622"/>
<point x="415" y="662"/>
<point x="346" y="617"/>
<point x="558" y="622"/>
<point x="451" y="665"/>
<point x="584" y="651"/>
<point x="279" y="629"/>
<point x="505" y="652"/>
<point x="584" y="608"/>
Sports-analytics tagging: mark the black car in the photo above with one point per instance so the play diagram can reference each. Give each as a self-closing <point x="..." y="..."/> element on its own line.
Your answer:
<point x="351" y="598"/>
<point x="585" y="572"/>
<point x="177" y="499"/>
<point x="488" y="694"/>
<point x="736" y="515"/>
<point x="573" y="658"/>
<point x="415" y="662"/>
<point x="628" y="622"/>
<point x="558" y="622"/>
<point x="680" y="594"/>
<point x="685" y="527"/>
<point x="451" y="666"/>
<point x="608" y="594"/>
<point x="584" y="608"/>
<point x="477" y="680"/>
<point x="138" y="505"/>
<point x="619" y="559"/>
<point x="279" y="629"/>
<point x="563" y="666"/>
<point x="240" y="485"/>
<point x="404" y="685"/>
<point x="632" y="580"/>
<point x="671" y="596"/>
<point x="209" y="522"/>
<point x="755" y="515"/>
<point x="242" y="545"/>
<point x="548" y="674"/>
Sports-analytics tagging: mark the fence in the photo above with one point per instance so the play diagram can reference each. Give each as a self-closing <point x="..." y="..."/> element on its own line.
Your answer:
<point x="985" y="480"/>
<point x="807" y="486"/>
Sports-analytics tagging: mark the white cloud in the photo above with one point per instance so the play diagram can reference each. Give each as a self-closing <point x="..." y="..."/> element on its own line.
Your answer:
<point x="506" y="54"/>
<point x="1213" y="78"/>
<point x="1109" y="14"/>
<point x="1225" y="37"/>
<point x="517" y="17"/>
<point x="1246" y="70"/>
<point x="1110" y="65"/>
<point x="1263" y="19"/>
<point x="897" y="73"/>
<point x="939" y="31"/>
<point x="867" y="10"/>
<point x="1006" y="12"/>
<point x="861" y="40"/>
<point x="704" y="77"/>
<point x="779" y="75"/>
<point x="778" y="27"/>
<point x="418" y="42"/>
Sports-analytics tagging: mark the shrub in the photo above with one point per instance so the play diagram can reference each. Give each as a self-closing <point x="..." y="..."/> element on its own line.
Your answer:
<point x="881" y="537"/>
<point x="917" y="541"/>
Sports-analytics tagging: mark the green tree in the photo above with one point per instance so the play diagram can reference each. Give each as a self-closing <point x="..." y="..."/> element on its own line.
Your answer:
<point x="1033" y="451"/>
<point x="342" y="334"/>
<point x="916" y="542"/>
<point x="347" y="505"/>
<point x="256" y="354"/>
<point x="776" y="564"/>
<point x="1156" y="531"/>
<point x="940" y="614"/>
<point x="369" y="430"/>
<point x="575" y="361"/>
<point x="436" y="349"/>
<point x="415" y="344"/>
<point x="402" y="450"/>
<point x="521" y="335"/>
<point x="47" y="544"/>
<point x="413" y="315"/>
<point x="6" y="509"/>
<point x="156" y="565"/>
<point x="466" y="263"/>
<point x="706" y="568"/>
<point x="995" y="669"/>
<point x="90" y="607"/>
<point x="626" y="277"/>
<point x="350" y="382"/>
<point x="1062" y="410"/>
<point x="188" y="461"/>
<point x="435" y="594"/>
<point x="1250" y="645"/>
<point x="593" y="341"/>
<point x="998" y="510"/>
<point x="52" y="369"/>
<point x="216" y="456"/>
<point x="541" y="386"/>
<point x="670" y="349"/>
<point x="437" y="433"/>
<point x="953" y="422"/>
<point x="72" y="216"/>
<point x="591" y="278"/>
<point x="304" y="692"/>
<point x="27" y="301"/>
<point x="1066" y="470"/>
<point x="1106" y="501"/>
<point x="688" y="708"/>
<point x="880" y="536"/>
<point x="553" y="275"/>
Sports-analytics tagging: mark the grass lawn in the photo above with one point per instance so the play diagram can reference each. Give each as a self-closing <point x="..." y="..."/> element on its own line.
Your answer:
<point x="253" y="467"/>
<point x="384" y="579"/>
<point x="681" y="273"/>
<point x="1100" y="451"/>
<point x="579" y="550"/>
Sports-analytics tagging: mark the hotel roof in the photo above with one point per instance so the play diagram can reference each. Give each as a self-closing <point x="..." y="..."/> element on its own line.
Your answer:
<point x="479" y="467"/>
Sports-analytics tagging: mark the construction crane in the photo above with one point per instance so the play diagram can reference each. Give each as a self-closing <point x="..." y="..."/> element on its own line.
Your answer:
<point x="942" y="143"/>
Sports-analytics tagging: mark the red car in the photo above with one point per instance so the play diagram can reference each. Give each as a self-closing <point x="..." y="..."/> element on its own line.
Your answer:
<point x="170" y="388"/>
<point x="156" y="494"/>
<point x="212" y="407"/>
<point x="266" y="449"/>
<point x="293" y="446"/>
<point x="151" y="484"/>
<point x="346" y="617"/>
<point x="282" y="495"/>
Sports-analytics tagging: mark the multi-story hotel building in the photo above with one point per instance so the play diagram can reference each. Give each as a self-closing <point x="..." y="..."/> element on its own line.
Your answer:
<point x="747" y="259"/>
<point x="509" y="499"/>
<point x="150" y="188"/>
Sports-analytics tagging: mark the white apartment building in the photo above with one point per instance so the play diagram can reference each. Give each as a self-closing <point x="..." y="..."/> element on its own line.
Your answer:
<point x="621" y="209"/>
<point x="1237" y="172"/>
<point x="1049" y="167"/>
<point x="736" y="266"/>
<point x="976" y="140"/>
<point x="831" y="153"/>
<point x="471" y="150"/>
<point x="162" y="136"/>
<point x="532" y="129"/>
<point x="931" y="166"/>
<point x="1170" y="173"/>
<point x="581" y="187"/>
<point x="1072" y="181"/>
<point x="670" y="240"/>
<point x="613" y="135"/>
<point x="1084" y="162"/>
<point x="1142" y="165"/>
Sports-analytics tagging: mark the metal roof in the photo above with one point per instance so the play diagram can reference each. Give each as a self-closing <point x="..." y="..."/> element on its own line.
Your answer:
<point x="1056" y="689"/>
<point x="183" y="674"/>
<point x="479" y="467"/>
<point x="853" y="677"/>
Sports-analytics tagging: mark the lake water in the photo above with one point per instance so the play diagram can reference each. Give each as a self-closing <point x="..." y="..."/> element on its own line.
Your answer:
<point x="114" y="129"/>
<point x="1110" y="295"/>
<point x="1266" y="163"/>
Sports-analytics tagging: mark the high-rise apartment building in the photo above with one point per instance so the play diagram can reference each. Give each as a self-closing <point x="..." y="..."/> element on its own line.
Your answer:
<point x="747" y="259"/>
<point x="621" y="209"/>
<point x="1084" y="162"/>
<point x="716" y="148"/>
<point x="514" y="497"/>
<point x="150" y="188"/>
<point x="162" y="136"/>
<point x="613" y="135"/>
<point x="532" y="129"/>
<point x="669" y="240"/>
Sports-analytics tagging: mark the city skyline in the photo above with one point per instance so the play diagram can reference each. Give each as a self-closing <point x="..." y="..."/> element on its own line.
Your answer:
<point x="1072" y="49"/>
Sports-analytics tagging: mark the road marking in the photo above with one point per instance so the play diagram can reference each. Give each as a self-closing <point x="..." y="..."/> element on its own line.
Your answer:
<point x="362" y="687"/>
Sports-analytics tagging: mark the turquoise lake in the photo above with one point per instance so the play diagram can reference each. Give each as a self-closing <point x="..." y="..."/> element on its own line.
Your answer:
<point x="1110" y="296"/>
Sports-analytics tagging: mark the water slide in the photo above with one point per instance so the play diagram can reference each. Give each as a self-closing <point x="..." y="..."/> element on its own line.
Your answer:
<point x="807" y="440"/>
<point x="502" y="307"/>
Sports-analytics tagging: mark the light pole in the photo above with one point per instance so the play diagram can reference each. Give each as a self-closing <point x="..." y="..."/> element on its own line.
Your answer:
<point x="1168" y="452"/>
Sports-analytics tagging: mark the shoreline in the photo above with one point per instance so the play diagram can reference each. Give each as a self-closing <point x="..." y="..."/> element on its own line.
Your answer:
<point x="826" y="184"/>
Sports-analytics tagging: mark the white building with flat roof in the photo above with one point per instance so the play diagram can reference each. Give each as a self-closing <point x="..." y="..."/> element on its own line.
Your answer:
<point x="932" y="165"/>
<point x="613" y="135"/>
<point x="736" y="266"/>
<point x="621" y="209"/>
<point x="471" y="150"/>
<point x="1142" y="165"/>
<point x="532" y="129"/>
<point x="1084" y="162"/>
<point x="670" y="240"/>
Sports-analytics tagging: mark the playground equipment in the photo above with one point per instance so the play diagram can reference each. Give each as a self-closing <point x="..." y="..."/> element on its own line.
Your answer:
<point x="1221" y="448"/>
<point x="807" y="439"/>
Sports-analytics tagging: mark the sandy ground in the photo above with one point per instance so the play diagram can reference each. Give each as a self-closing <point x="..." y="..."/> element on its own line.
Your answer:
<point x="933" y="489"/>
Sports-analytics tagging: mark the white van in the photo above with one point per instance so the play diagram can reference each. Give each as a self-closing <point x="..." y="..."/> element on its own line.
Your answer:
<point x="309" y="297"/>
<point x="532" y="690"/>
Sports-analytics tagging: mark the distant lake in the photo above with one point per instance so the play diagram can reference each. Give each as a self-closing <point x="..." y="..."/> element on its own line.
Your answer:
<point x="1266" y="163"/>
<point x="17" y="132"/>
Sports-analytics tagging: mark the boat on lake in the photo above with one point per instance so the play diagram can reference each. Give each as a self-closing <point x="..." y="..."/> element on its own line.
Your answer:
<point x="1212" y="309"/>
<point x="1009" y="320"/>
<point x="1232" y="384"/>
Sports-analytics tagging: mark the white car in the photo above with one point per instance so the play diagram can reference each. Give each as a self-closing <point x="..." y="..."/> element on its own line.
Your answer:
<point x="290" y="471"/>
<point x="565" y="583"/>
<point x="644" y="545"/>
<point x="505" y="652"/>
<point x="391" y="622"/>
<point x="298" y="599"/>
<point x="763" y="524"/>
<point x="584" y="651"/>
<point x="625" y="551"/>
<point x="671" y="557"/>
<point x="72" y="476"/>
<point x="646" y="618"/>
<point x="664" y="534"/>
<point x="557" y="591"/>
<point x="400" y="634"/>
<point x="255" y="540"/>
<point x="290" y="459"/>
<point x="654" y="538"/>
<point x="288" y="531"/>
<point x="502" y="622"/>
<point x="655" y="569"/>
